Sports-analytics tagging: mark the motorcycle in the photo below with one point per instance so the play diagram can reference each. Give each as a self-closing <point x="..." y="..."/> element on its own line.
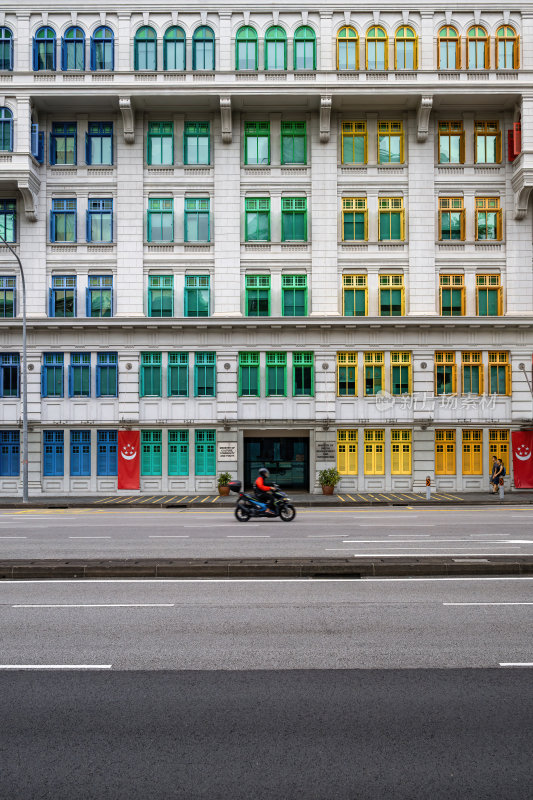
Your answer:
<point x="248" y="506"/>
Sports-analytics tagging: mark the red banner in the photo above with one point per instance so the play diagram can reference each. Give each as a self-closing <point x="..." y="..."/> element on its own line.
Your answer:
<point x="128" y="459"/>
<point x="523" y="459"/>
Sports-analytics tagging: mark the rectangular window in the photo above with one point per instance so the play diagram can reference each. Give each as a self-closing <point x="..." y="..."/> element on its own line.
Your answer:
<point x="445" y="452"/>
<point x="354" y="295"/>
<point x="160" y="145"/>
<point x="294" y="295"/>
<point x="257" y="143"/>
<point x="196" y="148"/>
<point x="499" y="373"/>
<point x="451" y="218"/>
<point x="401" y="373"/>
<point x="488" y="143"/>
<point x="347" y="452"/>
<point x="9" y="453"/>
<point x="472" y="452"/>
<point x="354" y="143"/>
<point x="257" y="295"/>
<point x="197" y="296"/>
<point x="293" y="143"/>
<point x="107" y="375"/>
<point x="8" y="218"/>
<point x="53" y="454"/>
<point x="63" y="221"/>
<point x="445" y="373"/>
<point x="451" y="143"/>
<point x="205" y="375"/>
<point x="151" y="448"/>
<point x="249" y="375"/>
<point x="205" y="456"/>
<point x="197" y="228"/>
<point x="499" y="447"/>
<point x="80" y="454"/>
<point x="472" y="372"/>
<point x="293" y="219"/>
<point x="303" y="381"/>
<point x="160" y="219"/>
<point x="391" y="296"/>
<point x="150" y="375"/>
<point x="160" y="295"/>
<point x="99" y="143"/>
<point x="257" y="219"/>
<point x="374" y="366"/>
<point x="346" y="374"/>
<point x="63" y="143"/>
<point x="62" y="301"/>
<point x="9" y="375"/>
<point x="374" y="452"/>
<point x="390" y="142"/>
<point x="178" y="375"/>
<point x="178" y="452"/>
<point x="100" y="296"/>
<point x="489" y="296"/>
<point x="276" y="374"/>
<point x="100" y="220"/>
<point x="79" y="375"/>
<point x="391" y="219"/>
<point x="401" y="453"/>
<point x="354" y="219"/>
<point x="8" y="289"/>
<point x="488" y="218"/>
<point x="106" y="453"/>
<point x="452" y="295"/>
<point x="52" y="375"/>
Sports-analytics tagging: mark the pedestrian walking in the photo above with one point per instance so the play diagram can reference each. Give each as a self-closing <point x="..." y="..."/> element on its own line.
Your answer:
<point x="493" y="472"/>
<point x="497" y="473"/>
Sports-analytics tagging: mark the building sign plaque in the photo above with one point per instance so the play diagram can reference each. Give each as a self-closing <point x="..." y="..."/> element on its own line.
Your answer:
<point x="227" y="451"/>
<point x="325" y="451"/>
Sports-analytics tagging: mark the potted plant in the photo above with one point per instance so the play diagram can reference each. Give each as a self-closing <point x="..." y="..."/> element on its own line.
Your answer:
<point x="223" y="481"/>
<point x="328" y="479"/>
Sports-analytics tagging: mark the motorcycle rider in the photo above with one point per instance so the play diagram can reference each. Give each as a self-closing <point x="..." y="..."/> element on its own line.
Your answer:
<point x="262" y="490"/>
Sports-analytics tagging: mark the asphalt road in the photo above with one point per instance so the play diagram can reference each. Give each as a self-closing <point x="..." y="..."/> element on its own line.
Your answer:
<point x="327" y="690"/>
<point x="122" y="533"/>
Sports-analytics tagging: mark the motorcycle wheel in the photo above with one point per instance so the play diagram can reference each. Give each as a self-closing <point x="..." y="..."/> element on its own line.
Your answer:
<point x="287" y="513"/>
<point x="241" y="514"/>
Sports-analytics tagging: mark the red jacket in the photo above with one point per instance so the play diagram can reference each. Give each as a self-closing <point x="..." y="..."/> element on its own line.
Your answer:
<point x="261" y="485"/>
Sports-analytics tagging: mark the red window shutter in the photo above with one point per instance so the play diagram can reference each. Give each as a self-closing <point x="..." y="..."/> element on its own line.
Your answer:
<point x="517" y="136"/>
<point x="510" y="146"/>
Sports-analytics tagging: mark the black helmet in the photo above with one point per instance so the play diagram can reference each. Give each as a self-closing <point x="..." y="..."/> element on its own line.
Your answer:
<point x="264" y="472"/>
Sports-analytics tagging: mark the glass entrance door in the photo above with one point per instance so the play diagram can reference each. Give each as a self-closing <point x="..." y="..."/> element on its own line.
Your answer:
<point x="286" y="458"/>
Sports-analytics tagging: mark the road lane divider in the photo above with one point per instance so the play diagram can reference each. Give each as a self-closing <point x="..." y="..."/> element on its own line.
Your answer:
<point x="55" y="666"/>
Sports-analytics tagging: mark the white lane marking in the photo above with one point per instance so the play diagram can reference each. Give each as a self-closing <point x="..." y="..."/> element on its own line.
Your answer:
<point x="89" y="537"/>
<point x="393" y="525"/>
<point x="430" y="540"/>
<point x="13" y="537"/>
<point x="516" y="663"/>
<point x="93" y="605"/>
<point x="144" y="581"/>
<point x="507" y="603"/>
<point x="56" y="666"/>
<point x="168" y="537"/>
<point x="246" y="536"/>
<point x="421" y="553"/>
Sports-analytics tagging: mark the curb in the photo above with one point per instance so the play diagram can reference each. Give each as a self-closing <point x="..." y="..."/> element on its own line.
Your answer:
<point x="59" y="569"/>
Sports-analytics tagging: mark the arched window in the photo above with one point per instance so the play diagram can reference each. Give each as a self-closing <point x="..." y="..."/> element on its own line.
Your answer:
<point x="304" y="48"/>
<point x="145" y="49"/>
<point x="6" y="49"/>
<point x="377" y="46"/>
<point x="203" y="48"/>
<point x="478" y="48"/>
<point x="507" y="52"/>
<point x="73" y="49"/>
<point x="347" y="49"/>
<point x="174" y="49"/>
<point x="6" y="129"/>
<point x="44" y="49"/>
<point x="103" y="50"/>
<point x="275" y="48"/>
<point x="246" y="48"/>
<point x="449" y="48"/>
<point x="405" y="49"/>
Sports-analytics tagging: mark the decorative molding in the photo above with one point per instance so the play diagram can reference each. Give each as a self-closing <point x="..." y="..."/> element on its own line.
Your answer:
<point x="203" y="17"/>
<point x="226" y="120"/>
<point x="44" y="16"/>
<point x="2" y="18"/>
<point x="448" y="17"/>
<point x="305" y="15"/>
<point x="506" y="16"/>
<point x="325" y="118"/>
<point x="246" y="15"/>
<point x="29" y="199"/>
<point x="275" y="17"/>
<point x="128" y="119"/>
<point x="174" y="16"/>
<point x="477" y="16"/>
<point x="102" y="17"/>
<point x="146" y="17"/>
<point x="375" y="15"/>
<point x="422" y="117"/>
<point x="521" y="202"/>
<point x="347" y="17"/>
<point x="73" y="17"/>
<point x="405" y="17"/>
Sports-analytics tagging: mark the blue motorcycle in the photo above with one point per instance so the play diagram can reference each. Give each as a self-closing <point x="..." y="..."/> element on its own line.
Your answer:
<point x="248" y="506"/>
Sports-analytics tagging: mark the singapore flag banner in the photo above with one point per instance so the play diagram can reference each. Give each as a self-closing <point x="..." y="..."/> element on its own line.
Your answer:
<point x="128" y="459"/>
<point x="523" y="459"/>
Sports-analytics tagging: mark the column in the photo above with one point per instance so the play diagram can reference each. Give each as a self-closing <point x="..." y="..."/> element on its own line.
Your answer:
<point x="128" y="384"/>
<point x="224" y="42"/>
<point x="123" y="44"/>
<point x="426" y="47"/>
<point x="130" y="218"/>
<point x="326" y="42"/>
<point x="23" y="52"/>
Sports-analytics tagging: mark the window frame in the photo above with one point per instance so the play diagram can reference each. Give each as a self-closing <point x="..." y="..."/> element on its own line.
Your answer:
<point x="449" y="129"/>
<point x="347" y="373"/>
<point x="76" y="40"/>
<point x="401" y="451"/>
<point x="246" y="35"/>
<point x="178" y="362"/>
<point x="98" y="131"/>
<point x="445" y="443"/>
<point x="356" y="207"/>
<point x="107" y="361"/>
<point x="453" y="207"/>
<point x="6" y="130"/>
<point x="99" y="284"/>
<point x="100" y="208"/>
<point x="8" y="219"/>
<point x="293" y="131"/>
<point x="6" y="44"/>
<point x="258" y="130"/>
<point x="401" y="360"/>
<point x="106" y="453"/>
<point x="160" y="288"/>
<point x="55" y="362"/>
<point x="499" y="446"/>
<point x="489" y="284"/>
<point x="374" y="451"/>
<point x="505" y="38"/>
<point x="252" y="283"/>
<point x="205" y="455"/>
<point x="487" y="206"/>
<point x="80" y="453"/>
<point x="391" y="129"/>
<point x="165" y="211"/>
<point x="476" y="39"/>
<point x="55" y="440"/>
<point x="146" y="36"/>
<point x="151" y="453"/>
<point x="9" y="454"/>
<point x="271" y="39"/>
<point x="354" y="129"/>
<point x="404" y="39"/>
<point x="296" y="283"/>
<point x="79" y="375"/>
<point x="105" y="42"/>
<point x="472" y="451"/>
<point x="8" y="284"/>
<point x="154" y="361"/>
<point x="178" y="452"/>
<point x="10" y="374"/>
<point x="373" y="39"/>
<point x="65" y="131"/>
<point x="472" y="364"/>
<point x="297" y="208"/>
<point x="354" y="283"/>
<point x="276" y="360"/>
<point x="49" y="55"/>
<point x="207" y="362"/>
<point x="259" y="207"/>
<point x="198" y="284"/>
<point x="302" y="36"/>
<point x="391" y="282"/>
<point x="249" y="366"/>
<point x="351" y="37"/>
<point x="202" y="36"/>
<point x="196" y="130"/>
<point x="499" y="360"/>
<point x="444" y="361"/>
<point x="452" y="283"/>
<point x="347" y="451"/>
<point x="375" y="361"/>
<point x="161" y="132"/>
<point x="169" y="39"/>
<point x="484" y="130"/>
<point x="197" y="210"/>
<point x="451" y="36"/>
<point x="303" y="362"/>
<point x="63" y="285"/>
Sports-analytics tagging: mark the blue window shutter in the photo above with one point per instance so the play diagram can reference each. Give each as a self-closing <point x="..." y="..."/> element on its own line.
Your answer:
<point x="63" y="54"/>
<point x="98" y="380"/>
<point x="86" y="456"/>
<point x="10" y="146"/>
<point x="87" y="302"/>
<point x="76" y="300"/>
<point x="88" y="225"/>
<point x="54" y="54"/>
<point x="112" y="151"/>
<point x="51" y="302"/>
<point x="48" y="462"/>
<point x="14" y="302"/>
<point x="51" y="149"/>
<point x="70" y="381"/>
<point x="87" y="149"/>
<point x="40" y="147"/>
<point x="113" y="53"/>
<point x="43" y="381"/>
<point x="60" y="466"/>
<point x="35" y="63"/>
<point x="76" y="146"/>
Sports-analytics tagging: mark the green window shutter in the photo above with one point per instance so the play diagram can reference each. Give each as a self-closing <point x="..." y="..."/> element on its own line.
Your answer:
<point x="293" y="143"/>
<point x="151" y="459"/>
<point x="276" y="367"/>
<point x="492" y="302"/>
<point x="178" y="452"/>
<point x="150" y="375"/>
<point x="257" y="295"/>
<point x="196" y="143"/>
<point x="197" y="296"/>
<point x="293" y="219"/>
<point x="197" y="219"/>
<point x="257" y="143"/>
<point x="294" y="295"/>
<point x="205" y="374"/>
<point x="257" y="219"/>
<point x="160" y="143"/>
<point x="303" y="374"/>
<point x="248" y="374"/>
<point x="160" y="222"/>
<point x="160" y="295"/>
<point x="205" y="452"/>
<point x="178" y="375"/>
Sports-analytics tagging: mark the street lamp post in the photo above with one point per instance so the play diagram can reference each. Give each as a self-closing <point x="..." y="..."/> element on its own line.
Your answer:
<point x="24" y="380"/>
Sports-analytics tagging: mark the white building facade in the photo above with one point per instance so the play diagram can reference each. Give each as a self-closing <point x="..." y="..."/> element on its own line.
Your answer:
<point x="266" y="235"/>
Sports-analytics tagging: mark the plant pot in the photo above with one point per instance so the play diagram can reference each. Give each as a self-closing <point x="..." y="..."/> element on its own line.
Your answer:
<point x="223" y="490"/>
<point x="328" y="489"/>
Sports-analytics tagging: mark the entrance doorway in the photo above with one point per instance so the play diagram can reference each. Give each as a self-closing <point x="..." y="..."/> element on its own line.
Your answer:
<point x="287" y="459"/>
